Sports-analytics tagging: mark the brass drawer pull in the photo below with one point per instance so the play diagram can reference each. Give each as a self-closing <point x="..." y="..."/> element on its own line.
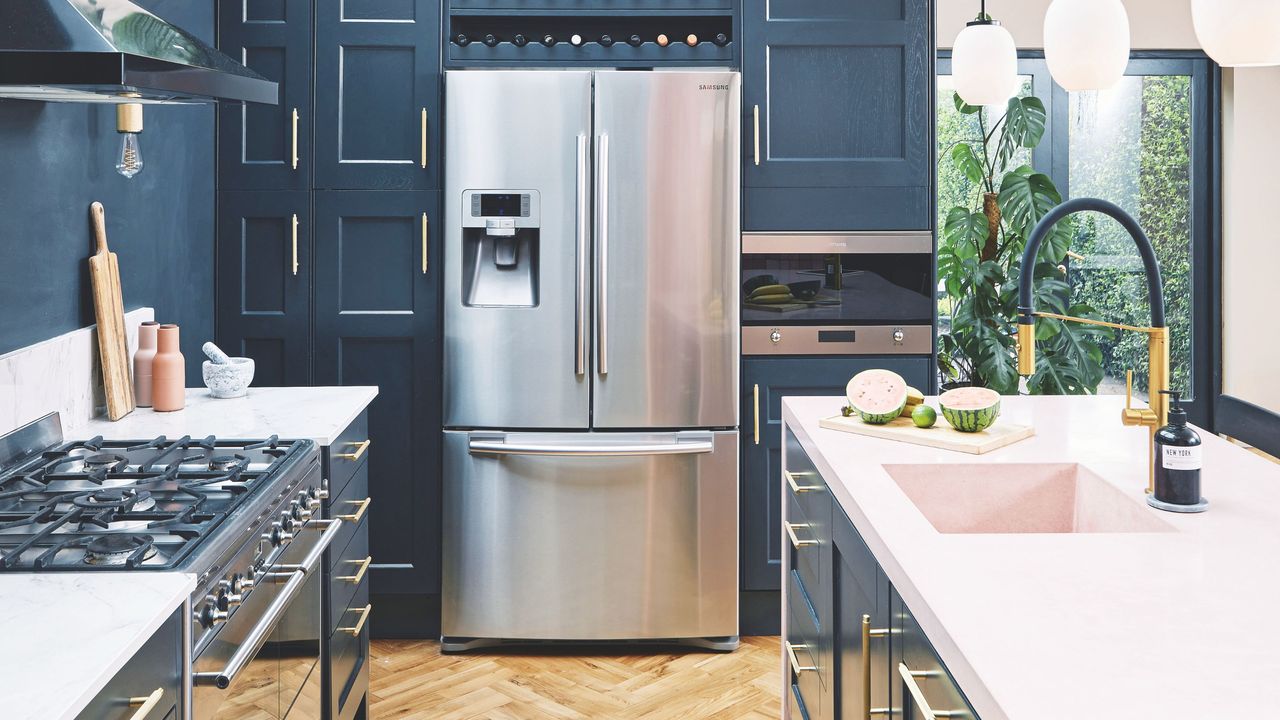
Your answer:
<point x="424" y="243"/>
<point x="364" y="567"/>
<point x="909" y="679"/>
<point x="796" y="667"/>
<point x="755" y="114"/>
<point x="355" y="517"/>
<point x="145" y="704"/>
<point x="360" y="448"/>
<point x="796" y="487"/>
<point x="867" y="634"/>
<point x="424" y="138"/>
<point x="295" y="138"/>
<point x="295" y="243"/>
<point x="364" y="615"/>
<point x="756" y="394"/>
<point x="796" y="542"/>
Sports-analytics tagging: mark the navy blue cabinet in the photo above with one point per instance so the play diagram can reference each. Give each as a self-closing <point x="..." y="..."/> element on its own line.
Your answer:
<point x="264" y="282"/>
<point x="155" y="670"/>
<point x="377" y="66"/>
<point x="377" y="322"/>
<point x="838" y="115"/>
<point x="267" y="146"/>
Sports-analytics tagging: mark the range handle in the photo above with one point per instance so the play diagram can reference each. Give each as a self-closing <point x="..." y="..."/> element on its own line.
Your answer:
<point x="694" y="444"/>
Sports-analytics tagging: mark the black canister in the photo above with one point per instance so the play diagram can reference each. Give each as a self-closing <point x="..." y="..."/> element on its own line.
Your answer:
<point x="1177" y="458"/>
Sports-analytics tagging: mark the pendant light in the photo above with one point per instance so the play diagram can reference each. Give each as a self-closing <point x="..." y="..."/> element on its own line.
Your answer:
<point x="1238" y="33"/>
<point x="1086" y="43"/>
<point x="984" y="62"/>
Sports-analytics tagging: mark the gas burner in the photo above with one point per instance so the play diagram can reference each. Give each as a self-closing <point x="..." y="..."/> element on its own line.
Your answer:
<point x="119" y="549"/>
<point x="225" y="462"/>
<point x="123" y="499"/>
<point x="103" y="460"/>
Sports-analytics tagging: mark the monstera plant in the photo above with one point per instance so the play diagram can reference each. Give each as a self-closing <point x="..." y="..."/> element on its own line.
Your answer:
<point x="980" y="260"/>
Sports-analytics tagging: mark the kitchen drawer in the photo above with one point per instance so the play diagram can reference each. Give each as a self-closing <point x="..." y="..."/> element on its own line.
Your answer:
<point x="798" y="709"/>
<point x="349" y="659"/>
<point x="156" y="666"/>
<point x="921" y="667"/>
<point x="803" y="483"/>
<point x="352" y="506"/>
<point x="804" y="627"/>
<point x="346" y="454"/>
<point x="809" y="556"/>
<point x="349" y="569"/>
<point x="806" y="673"/>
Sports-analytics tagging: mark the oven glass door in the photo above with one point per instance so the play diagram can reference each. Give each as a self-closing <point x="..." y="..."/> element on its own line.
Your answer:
<point x="803" y="288"/>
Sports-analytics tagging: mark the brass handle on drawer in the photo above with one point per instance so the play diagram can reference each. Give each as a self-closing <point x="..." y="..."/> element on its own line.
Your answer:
<point x="424" y="139"/>
<point x="355" y="517"/>
<point x="755" y="113"/>
<point x="796" y="667"/>
<point x="295" y="138"/>
<point x="295" y="243"/>
<point x="364" y="615"/>
<point x="424" y="243"/>
<point x="796" y="487"/>
<point x="364" y="567"/>
<point x="756" y="393"/>
<point x="796" y="542"/>
<point x="359" y="453"/>
<point x="909" y="679"/>
<point x="145" y="704"/>
<point x="867" y="634"/>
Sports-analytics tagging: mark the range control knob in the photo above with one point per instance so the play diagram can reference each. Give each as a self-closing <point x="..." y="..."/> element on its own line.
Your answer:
<point x="635" y="41"/>
<point x="229" y="595"/>
<point x="210" y="615"/>
<point x="491" y="40"/>
<point x="775" y="337"/>
<point x="279" y="533"/>
<point x="663" y="41"/>
<point x="462" y="40"/>
<point x="519" y="40"/>
<point x="898" y="336"/>
<point x="549" y="40"/>
<point x="575" y="40"/>
<point x="606" y="40"/>
<point x="244" y="583"/>
<point x="720" y="39"/>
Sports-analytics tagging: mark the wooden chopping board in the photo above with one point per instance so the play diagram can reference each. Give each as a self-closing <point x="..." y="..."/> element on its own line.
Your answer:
<point x="108" y="307"/>
<point x="940" y="435"/>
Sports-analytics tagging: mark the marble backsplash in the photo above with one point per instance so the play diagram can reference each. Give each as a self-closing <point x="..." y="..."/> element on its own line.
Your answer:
<point x="61" y="374"/>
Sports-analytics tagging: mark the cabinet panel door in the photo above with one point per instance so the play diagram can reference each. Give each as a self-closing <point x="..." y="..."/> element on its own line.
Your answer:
<point x="861" y="590"/>
<point x="377" y="323"/>
<point x="256" y="143"/>
<point x="377" y="94"/>
<point x="761" y="494"/>
<point x="263" y="281"/>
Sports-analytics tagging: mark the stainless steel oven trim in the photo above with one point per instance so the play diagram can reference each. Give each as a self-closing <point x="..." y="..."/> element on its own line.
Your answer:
<point x="868" y="340"/>
<point x="905" y="242"/>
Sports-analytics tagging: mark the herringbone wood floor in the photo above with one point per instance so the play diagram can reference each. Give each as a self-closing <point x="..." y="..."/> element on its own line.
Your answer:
<point x="411" y="679"/>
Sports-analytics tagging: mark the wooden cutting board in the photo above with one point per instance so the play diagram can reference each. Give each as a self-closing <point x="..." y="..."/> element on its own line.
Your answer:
<point x="108" y="307"/>
<point x="940" y="435"/>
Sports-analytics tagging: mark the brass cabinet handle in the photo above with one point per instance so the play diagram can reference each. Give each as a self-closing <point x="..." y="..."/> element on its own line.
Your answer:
<point x="295" y="243"/>
<point x="364" y="567"/>
<point x="360" y="448"/>
<point x="796" y="487"/>
<point x="295" y="138"/>
<point x="145" y="704"/>
<point x="424" y="243"/>
<point x="909" y="679"/>
<point x="364" y="615"/>
<point x="355" y="517"/>
<point x="867" y="634"/>
<point x="756" y="120"/>
<point x="796" y="667"/>
<point x="756" y="393"/>
<point x="424" y="138"/>
<point x="796" y="542"/>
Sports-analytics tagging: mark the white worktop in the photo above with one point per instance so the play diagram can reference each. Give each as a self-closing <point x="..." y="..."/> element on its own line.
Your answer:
<point x="1179" y="625"/>
<point x="63" y="636"/>
<point x="316" y="413"/>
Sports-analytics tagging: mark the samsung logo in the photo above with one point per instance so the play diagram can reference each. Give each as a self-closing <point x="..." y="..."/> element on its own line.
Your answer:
<point x="704" y="86"/>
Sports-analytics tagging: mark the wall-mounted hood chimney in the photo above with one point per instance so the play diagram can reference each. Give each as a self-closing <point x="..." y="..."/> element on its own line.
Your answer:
<point x="113" y="51"/>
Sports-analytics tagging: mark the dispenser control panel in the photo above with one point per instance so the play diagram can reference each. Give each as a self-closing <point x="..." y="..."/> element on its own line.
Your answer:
<point x="498" y="210"/>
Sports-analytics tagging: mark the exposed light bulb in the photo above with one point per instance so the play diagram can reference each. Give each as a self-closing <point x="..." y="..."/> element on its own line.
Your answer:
<point x="130" y="161"/>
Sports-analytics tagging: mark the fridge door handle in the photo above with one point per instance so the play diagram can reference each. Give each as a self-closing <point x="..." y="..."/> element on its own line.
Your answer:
<point x="490" y="444"/>
<point x="602" y="253"/>
<point x="580" y="297"/>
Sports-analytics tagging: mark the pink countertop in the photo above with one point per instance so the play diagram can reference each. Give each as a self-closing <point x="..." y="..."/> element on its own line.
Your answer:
<point x="1170" y="625"/>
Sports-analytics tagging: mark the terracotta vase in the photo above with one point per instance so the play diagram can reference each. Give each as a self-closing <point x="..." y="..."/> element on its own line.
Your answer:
<point x="142" y="360"/>
<point x="168" y="372"/>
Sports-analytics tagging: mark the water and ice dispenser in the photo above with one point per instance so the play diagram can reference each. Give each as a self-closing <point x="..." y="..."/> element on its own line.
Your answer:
<point x="500" y="248"/>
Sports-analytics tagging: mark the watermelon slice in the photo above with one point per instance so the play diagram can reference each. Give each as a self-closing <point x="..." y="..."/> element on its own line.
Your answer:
<point x="970" y="409"/>
<point x="877" y="396"/>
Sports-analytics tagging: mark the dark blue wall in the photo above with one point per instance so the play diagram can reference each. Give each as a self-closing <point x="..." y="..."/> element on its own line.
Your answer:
<point x="56" y="158"/>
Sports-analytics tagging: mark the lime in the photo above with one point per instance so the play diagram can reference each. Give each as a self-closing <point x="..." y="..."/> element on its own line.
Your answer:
<point x="924" y="416"/>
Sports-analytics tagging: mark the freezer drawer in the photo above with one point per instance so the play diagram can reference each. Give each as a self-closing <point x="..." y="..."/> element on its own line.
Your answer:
<point x="590" y="536"/>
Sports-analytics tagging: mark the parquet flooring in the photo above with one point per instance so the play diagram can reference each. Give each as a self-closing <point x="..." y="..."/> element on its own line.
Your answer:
<point x="410" y="679"/>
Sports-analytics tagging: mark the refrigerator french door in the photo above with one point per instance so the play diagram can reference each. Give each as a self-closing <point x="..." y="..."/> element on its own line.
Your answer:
<point x="591" y="356"/>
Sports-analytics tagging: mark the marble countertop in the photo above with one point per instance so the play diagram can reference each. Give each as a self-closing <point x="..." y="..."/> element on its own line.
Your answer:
<point x="317" y="413"/>
<point x="1179" y="624"/>
<point x="65" y="635"/>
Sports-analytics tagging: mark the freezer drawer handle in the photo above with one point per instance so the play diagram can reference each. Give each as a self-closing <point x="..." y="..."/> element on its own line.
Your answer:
<point x="498" y="447"/>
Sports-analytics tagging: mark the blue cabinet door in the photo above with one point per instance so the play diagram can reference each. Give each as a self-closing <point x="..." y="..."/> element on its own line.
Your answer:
<point x="264" y="283"/>
<point x="842" y="90"/>
<point x="377" y="91"/>
<point x="761" y="490"/>
<point x="377" y="322"/>
<point x="267" y="147"/>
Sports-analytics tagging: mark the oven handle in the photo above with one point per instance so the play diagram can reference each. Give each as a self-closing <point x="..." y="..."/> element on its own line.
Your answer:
<point x="252" y="642"/>
<point x="685" y="444"/>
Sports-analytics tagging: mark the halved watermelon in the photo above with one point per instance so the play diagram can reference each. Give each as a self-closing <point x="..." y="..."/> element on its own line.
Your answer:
<point x="877" y="396"/>
<point x="970" y="409"/>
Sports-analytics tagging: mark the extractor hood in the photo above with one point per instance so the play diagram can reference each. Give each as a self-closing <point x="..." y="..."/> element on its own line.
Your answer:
<point x="113" y="51"/>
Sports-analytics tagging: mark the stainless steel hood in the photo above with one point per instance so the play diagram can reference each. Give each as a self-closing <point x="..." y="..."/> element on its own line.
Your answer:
<point x="113" y="51"/>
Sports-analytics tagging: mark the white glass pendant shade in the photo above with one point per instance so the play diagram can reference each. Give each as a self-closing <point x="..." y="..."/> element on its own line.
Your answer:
<point x="1238" y="33"/>
<point x="984" y="64"/>
<point x="1086" y="43"/>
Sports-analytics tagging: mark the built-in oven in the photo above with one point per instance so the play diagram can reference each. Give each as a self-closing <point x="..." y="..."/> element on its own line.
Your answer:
<point x="264" y="661"/>
<point x="837" y="293"/>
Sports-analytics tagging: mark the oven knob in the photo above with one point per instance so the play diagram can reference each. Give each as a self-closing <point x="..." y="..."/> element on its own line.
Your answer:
<point x="775" y="337"/>
<point x="244" y="583"/>
<point x="302" y="513"/>
<point x="279" y="534"/>
<point x="210" y="615"/>
<point x="228" y="597"/>
<point x="898" y="336"/>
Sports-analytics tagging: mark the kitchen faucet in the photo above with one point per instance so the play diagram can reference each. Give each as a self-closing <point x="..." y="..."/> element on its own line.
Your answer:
<point x="1156" y="414"/>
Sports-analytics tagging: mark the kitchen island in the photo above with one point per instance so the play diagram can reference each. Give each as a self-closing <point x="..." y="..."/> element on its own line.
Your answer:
<point x="1109" y="609"/>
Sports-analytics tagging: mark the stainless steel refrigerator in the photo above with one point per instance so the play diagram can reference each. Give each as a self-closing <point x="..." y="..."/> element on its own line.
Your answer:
<point x="591" y="357"/>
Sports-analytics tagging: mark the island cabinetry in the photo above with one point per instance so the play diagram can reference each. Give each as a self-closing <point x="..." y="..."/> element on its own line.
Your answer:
<point x="149" y="686"/>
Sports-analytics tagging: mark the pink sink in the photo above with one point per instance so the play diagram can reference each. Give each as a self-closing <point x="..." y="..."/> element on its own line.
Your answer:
<point x="1022" y="498"/>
